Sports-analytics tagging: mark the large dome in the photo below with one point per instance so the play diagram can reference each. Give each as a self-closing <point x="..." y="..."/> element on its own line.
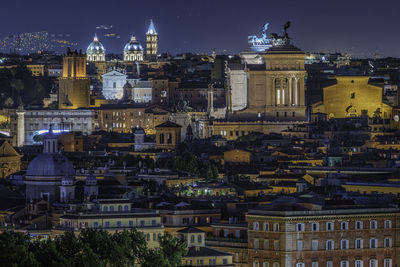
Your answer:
<point x="95" y="47"/>
<point x="50" y="164"/>
<point x="133" y="45"/>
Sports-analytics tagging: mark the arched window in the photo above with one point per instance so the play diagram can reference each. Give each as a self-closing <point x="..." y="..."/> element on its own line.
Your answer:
<point x="266" y="227"/>
<point x="255" y="226"/>
<point x="112" y="209"/>
<point x="105" y="209"/>
<point x="126" y="208"/>
<point x="119" y="208"/>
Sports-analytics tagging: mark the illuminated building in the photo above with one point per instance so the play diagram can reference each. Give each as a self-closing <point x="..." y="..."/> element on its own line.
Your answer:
<point x="124" y="118"/>
<point x="168" y="135"/>
<point x="115" y="215"/>
<point x="151" y="42"/>
<point x="10" y="160"/>
<point x="96" y="51"/>
<point x="275" y="94"/>
<point x="74" y="86"/>
<point x="302" y="236"/>
<point x="200" y="255"/>
<point x="133" y="51"/>
<point x="352" y="96"/>
<point x="238" y="80"/>
<point x="27" y="125"/>
<point x="113" y="84"/>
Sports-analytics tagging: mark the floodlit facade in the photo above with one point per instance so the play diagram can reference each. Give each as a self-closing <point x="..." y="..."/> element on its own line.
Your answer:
<point x="96" y="51"/>
<point x="133" y="51"/>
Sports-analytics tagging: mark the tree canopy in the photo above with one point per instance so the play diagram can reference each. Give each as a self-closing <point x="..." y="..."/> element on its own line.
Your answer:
<point x="90" y="248"/>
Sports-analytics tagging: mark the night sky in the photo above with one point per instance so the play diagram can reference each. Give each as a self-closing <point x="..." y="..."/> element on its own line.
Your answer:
<point x="357" y="27"/>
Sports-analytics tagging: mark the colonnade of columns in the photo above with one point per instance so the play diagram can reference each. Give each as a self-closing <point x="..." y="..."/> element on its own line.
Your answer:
<point x="288" y="91"/>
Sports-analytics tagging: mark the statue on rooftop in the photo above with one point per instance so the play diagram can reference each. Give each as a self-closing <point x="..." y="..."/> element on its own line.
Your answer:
<point x="281" y="40"/>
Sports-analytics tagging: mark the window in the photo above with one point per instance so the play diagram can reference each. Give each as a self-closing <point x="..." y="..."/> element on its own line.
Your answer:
<point x="265" y="226"/>
<point x="119" y="224"/>
<point x="276" y="245"/>
<point x="300" y="264"/>
<point x="314" y="264"/>
<point x="358" y="243"/>
<point x="359" y="225"/>
<point x="276" y="264"/>
<point x="255" y="226"/>
<point x="277" y="114"/>
<point x="373" y="243"/>
<point x="315" y="227"/>
<point x="256" y="243"/>
<point x="276" y="227"/>
<point x="300" y="227"/>
<point x="130" y="223"/>
<point x="388" y="224"/>
<point x="299" y="245"/>
<point x="266" y="244"/>
<point x="314" y="245"/>
<point x="192" y="239"/>
<point x="95" y="224"/>
<point x="199" y="239"/>
<point x="344" y="264"/>
<point x="329" y="226"/>
<point x="212" y="261"/>
<point x="255" y="264"/>
<point x="107" y="224"/>
<point x="329" y="264"/>
<point x="373" y="263"/>
<point x="387" y="242"/>
<point x="387" y="263"/>
<point x="105" y="209"/>
<point x="373" y="224"/>
<point x="358" y="263"/>
<point x="344" y="225"/>
<point x="344" y="244"/>
<point x="330" y="245"/>
<point x="265" y="264"/>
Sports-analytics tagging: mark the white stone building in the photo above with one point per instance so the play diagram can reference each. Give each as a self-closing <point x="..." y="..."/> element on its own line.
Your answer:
<point x="113" y="84"/>
<point x="26" y="124"/>
<point x="238" y="80"/>
<point x="141" y="90"/>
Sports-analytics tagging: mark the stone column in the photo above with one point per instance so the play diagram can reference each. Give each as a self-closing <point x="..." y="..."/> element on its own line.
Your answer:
<point x="302" y="92"/>
<point x="273" y="92"/>
<point x="287" y="89"/>
<point x="290" y="91"/>
<point x="281" y="100"/>
<point x="296" y="92"/>
<point x="20" y="127"/>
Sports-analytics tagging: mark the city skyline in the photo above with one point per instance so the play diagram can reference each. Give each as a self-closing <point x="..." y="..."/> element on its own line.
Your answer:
<point x="223" y="25"/>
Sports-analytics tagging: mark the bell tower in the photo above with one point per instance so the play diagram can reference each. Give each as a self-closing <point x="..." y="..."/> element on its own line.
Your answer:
<point x="74" y="86"/>
<point x="151" y="42"/>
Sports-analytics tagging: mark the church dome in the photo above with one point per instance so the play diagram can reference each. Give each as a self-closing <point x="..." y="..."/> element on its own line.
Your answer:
<point x="133" y="45"/>
<point x="50" y="164"/>
<point x="95" y="47"/>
